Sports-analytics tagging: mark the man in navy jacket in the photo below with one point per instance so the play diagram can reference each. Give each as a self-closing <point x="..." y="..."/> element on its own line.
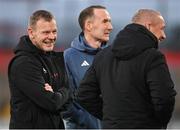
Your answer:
<point x="95" y="23"/>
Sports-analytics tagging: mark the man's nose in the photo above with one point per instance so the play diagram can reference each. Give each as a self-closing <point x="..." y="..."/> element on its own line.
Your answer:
<point x="163" y="37"/>
<point x="110" y="27"/>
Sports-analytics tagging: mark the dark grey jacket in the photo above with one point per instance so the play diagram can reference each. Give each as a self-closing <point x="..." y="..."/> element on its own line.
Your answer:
<point x="31" y="105"/>
<point x="133" y="79"/>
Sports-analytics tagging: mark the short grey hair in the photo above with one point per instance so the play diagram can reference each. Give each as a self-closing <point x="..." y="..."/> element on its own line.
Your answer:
<point x="40" y="14"/>
<point x="144" y="14"/>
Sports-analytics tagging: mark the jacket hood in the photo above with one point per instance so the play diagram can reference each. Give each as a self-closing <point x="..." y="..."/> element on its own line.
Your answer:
<point x="80" y="44"/>
<point x="133" y="40"/>
<point x="25" y="45"/>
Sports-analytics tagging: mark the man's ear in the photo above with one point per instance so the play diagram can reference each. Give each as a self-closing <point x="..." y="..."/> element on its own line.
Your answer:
<point x="88" y="25"/>
<point x="147" y="25"/>
<point x="30" y="32"/>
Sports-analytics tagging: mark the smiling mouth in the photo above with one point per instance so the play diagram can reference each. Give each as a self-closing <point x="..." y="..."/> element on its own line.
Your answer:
<point x="52" y="42"/>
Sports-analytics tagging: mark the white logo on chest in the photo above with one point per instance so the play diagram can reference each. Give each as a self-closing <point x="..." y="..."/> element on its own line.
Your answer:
<point x="85" y="63"/>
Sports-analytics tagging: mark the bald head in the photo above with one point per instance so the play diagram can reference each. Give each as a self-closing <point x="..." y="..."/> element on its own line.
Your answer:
<point x="152" y="20"/>
<point x="145" y="15"/>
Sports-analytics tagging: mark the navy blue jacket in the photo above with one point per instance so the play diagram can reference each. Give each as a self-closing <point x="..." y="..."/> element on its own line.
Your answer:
<point x="78" y="59"/>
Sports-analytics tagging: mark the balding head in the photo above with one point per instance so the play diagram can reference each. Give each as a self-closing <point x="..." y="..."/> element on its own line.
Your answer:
<point x="152" y="20"/>
<point x="145" y="15"/>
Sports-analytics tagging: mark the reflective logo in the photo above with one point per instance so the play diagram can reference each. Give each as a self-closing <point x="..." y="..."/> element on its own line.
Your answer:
<point x="85" y="63"/>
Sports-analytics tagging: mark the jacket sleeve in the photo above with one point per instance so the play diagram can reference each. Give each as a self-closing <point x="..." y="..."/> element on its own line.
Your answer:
<point x="27" y="78"/>
<point x="89" y="95"/>
<point x="69" y="73"/>
<point x="161" y="88"/>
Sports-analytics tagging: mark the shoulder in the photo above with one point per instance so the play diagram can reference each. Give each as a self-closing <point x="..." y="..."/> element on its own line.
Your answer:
<point x="153" y="54"/>
<point x="69" y="51"/>
<point x="103" y="56"/>
<point x="23" y="64"/>
<point x="154" y="51"/>
<point x="72" y="53"/>
<point x="154" y="58"/>
<point x="106" y="52"/>
<point x="24" y="60"/>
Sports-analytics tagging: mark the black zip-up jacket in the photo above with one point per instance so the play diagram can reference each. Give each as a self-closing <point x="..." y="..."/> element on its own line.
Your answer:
<point x="133" y="80"/>
<point x="31" y="105"/>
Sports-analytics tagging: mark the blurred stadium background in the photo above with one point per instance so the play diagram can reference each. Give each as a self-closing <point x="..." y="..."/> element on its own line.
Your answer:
<point x="14" y="16"/>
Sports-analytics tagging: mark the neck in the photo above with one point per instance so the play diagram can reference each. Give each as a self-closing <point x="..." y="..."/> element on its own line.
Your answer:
<point x="92" y="42"/>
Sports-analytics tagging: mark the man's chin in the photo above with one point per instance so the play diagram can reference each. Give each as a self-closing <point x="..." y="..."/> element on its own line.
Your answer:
<point x="106" y="40"/>
<point x="48" y="49"/>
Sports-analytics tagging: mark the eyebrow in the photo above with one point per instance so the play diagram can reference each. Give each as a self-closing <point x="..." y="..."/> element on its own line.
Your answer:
<point x="106" y="20"/>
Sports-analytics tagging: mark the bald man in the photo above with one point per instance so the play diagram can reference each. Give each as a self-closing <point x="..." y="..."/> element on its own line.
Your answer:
<point x="132" y="78"/>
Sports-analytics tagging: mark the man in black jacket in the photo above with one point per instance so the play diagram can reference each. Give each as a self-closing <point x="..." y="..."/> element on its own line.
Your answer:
<point x="37" y="78"/>
<point x="131" y="77"/>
